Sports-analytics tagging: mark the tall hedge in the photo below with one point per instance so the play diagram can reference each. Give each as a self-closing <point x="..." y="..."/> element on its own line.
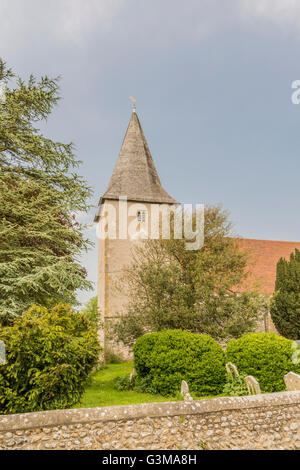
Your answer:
<point x="49" y="356"/>
<point x="285" y="305"/>
<point x="168" y="357"/>
<point x="266" y="356"/>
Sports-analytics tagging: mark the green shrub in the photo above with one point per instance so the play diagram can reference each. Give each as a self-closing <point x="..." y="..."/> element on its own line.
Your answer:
<point x="145" y="385"/>
<point x="140" y="385"/>
<point x="235" y="386"/>
<point x="91" y="311"/>
<point x="266" y="356"/>
<point x="50" y="355"/>
<point x="166" y="358"/>
<point x="122" y="383"/>
<point x="112" y="357"/>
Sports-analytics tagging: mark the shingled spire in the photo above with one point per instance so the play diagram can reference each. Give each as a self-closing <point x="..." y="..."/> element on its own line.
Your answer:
<point x="135" y="175"/>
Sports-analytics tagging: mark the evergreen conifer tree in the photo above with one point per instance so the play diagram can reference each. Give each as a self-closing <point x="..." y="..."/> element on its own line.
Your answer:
<point x="285" y="305"/>
<point x="40" y="191"/>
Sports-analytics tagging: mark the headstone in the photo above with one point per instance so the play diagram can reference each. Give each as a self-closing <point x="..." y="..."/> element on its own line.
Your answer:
<point x="296" y="352"/>
<point x="292" y="381"/>
<point x="185" y="391"/>
<point x="132" y="375"/>
<point x="232" y="370"/>
<point x="2" y="353"/>
<point x="184" y="388"/>
<point x="252" y="385"/>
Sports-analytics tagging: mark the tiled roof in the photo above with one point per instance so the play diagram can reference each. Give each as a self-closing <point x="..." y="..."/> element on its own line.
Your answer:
<point x="264" y="255"/>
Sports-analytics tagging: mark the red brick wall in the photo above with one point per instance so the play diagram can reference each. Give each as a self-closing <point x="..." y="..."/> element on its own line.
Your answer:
<point x="264" y="255"/>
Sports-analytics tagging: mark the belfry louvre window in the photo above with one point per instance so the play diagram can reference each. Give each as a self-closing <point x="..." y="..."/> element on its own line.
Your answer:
<point x="141" y="216"/>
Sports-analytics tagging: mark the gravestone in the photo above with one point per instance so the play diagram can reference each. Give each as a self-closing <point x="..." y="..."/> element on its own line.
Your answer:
<point x="2" y="353"/>
<point x="296" y="352"/>
<point x="132" y="375"/>
<point x="232" y="370"/>
<point x="185" y="391"/>
<point x="292" y="381"/>
<point x="252" y="385"/>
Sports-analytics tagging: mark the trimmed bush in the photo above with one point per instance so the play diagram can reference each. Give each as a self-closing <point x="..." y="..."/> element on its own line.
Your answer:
<point x="266" y="356"/>
<point x="166" y="358"/>
<point x="50" y="355"/>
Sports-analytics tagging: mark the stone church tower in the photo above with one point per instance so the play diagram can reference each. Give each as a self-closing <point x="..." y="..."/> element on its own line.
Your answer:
<point x="136" y="182"/>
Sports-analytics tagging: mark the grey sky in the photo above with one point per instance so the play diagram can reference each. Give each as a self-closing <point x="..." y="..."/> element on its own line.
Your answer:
<point x="213" y="82"/>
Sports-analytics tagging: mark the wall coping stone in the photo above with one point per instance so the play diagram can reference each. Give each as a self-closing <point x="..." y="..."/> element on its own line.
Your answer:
<point x="56" y="418"/>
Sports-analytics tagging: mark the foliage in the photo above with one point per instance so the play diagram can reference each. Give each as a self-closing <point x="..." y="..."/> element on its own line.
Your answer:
<point x="139" y="384"/>
<point x="146" y="385"/>
<point x="123" y="383"/>
<point x="40" y="193"/>
<point x="235" y="386"/>
<point x="25" y="151"/>
<point x="285" y="305"/>
<point x="229" y="315"/>
<point x="172" y="288"/>
<point x="101" y="390"/>
<point x="39" y="246"/>
<point x="166" y="358"/>
<point x="50" y="354"/>
<point x="91" y="311"/>
<point x="265" y="356"/>
<point x="112" y="357"/>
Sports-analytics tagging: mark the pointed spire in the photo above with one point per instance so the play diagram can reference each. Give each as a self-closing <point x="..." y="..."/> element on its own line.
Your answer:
<point x="135" y="175"/>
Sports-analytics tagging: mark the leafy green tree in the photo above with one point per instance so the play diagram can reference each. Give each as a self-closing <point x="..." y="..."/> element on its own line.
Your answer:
<point x="172" y="288"/>
<point x="91" y="311"/>
<point x="285" y="305"/>
<point x="40" y="191"/>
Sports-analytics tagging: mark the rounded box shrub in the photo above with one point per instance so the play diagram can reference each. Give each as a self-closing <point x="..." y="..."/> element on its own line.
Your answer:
<point x="168" y="357"/>
<point x="49" y="356"/>
<point x="265" y="356"/>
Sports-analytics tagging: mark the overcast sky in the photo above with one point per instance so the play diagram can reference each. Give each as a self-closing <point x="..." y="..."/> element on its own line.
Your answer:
<point x="213" y="82"/>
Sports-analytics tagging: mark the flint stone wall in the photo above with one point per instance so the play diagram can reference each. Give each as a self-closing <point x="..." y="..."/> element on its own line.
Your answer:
<point x="268" y="421"/>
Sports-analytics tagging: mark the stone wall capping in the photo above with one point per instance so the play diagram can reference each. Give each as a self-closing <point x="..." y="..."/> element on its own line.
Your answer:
<point x="55" y="418"/>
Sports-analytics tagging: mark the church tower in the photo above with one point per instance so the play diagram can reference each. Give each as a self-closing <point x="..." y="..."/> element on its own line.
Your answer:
<point x="134" y="187"/>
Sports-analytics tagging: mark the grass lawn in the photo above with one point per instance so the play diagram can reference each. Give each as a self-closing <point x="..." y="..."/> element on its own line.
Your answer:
<point x="100" y="392"/>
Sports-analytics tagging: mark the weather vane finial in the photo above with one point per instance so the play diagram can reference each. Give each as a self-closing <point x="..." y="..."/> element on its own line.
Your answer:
<point x="134" y="103"/>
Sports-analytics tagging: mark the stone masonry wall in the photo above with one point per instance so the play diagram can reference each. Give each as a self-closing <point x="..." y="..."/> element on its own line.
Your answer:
<point x="268" y="421"/>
